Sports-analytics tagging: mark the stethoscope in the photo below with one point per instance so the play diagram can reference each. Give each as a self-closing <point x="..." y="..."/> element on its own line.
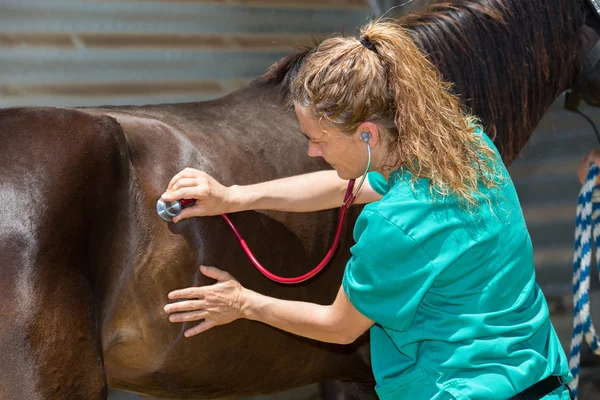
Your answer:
<point x="172" y="209"/>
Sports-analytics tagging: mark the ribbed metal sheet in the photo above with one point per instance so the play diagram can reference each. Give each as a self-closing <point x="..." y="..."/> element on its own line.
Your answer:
<point x="76" y="52"/>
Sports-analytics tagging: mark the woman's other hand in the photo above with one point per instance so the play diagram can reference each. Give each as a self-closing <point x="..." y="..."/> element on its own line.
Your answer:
<point x="211" y="197"/>
<point x="215" y="304"/>
<point x="586" y="161"/>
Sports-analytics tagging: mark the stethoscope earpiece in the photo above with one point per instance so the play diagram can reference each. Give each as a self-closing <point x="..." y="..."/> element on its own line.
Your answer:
<point x="365" y="136"/>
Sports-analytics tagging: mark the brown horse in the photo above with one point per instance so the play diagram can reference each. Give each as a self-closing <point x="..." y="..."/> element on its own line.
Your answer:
<point x="85" y="262"/>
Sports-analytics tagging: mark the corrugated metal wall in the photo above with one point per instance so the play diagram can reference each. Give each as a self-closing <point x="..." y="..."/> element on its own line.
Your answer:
<point x="74" y="52"/>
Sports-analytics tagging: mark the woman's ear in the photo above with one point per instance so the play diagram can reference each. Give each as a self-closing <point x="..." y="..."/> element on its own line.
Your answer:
<point x="373" y="133"/>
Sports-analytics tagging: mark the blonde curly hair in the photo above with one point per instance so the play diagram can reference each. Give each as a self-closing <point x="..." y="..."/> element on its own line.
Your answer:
<point x="388" y="81"/>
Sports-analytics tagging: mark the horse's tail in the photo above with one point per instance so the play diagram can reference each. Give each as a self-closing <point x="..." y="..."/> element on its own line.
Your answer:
<point x="62" y="174"/>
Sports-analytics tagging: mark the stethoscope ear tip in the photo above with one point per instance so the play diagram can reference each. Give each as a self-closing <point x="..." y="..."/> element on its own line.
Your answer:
<point x="365" y="136"/>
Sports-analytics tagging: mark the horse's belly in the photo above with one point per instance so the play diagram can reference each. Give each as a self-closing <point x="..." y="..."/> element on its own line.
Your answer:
<point x="146" y="353"/>
<point x="239" y="359"/>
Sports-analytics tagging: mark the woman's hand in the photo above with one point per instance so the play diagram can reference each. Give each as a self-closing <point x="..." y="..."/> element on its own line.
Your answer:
<point x="586" y="161"/>
<point x="216" y="304"/>
<point x="212" y="198"/>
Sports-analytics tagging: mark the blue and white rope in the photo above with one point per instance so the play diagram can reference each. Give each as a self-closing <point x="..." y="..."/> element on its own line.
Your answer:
<point x="588" y="214"/>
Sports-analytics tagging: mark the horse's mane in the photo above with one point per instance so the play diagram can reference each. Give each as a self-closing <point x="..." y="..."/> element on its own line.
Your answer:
<point x="509" y="59"/>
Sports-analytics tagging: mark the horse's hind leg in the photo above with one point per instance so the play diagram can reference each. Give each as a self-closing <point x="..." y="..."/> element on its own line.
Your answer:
<point x="358" y="391"/>
<point x="63" y="173"/>
<point x="48" y="342"/>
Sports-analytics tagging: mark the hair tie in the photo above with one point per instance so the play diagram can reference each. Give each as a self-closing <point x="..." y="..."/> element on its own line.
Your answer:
<point x="365" y="41"/>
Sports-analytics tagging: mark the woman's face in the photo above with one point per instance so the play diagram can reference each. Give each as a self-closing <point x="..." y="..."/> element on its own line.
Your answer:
<point x="347" y="154"/>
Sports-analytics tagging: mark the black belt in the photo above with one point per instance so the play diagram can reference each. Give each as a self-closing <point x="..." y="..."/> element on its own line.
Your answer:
<point x="540" y="389"/>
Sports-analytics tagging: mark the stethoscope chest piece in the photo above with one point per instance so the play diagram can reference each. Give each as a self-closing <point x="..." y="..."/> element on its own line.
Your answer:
<point x="168" y="210"/>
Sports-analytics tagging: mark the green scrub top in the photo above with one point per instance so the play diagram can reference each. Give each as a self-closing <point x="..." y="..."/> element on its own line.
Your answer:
<point x="452" y="292"/>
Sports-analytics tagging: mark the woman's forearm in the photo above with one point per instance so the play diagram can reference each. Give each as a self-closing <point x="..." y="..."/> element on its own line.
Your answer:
<point x="302" y="193"/>
<point x="315" y="191"/>
<point x="300" y="318"/>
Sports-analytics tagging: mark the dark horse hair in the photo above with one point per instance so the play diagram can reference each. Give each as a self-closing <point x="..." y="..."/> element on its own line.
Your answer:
<point x="505" y="85"/>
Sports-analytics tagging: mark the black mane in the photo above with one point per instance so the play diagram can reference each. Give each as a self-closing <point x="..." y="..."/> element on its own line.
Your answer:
<point x="509" y="59"/>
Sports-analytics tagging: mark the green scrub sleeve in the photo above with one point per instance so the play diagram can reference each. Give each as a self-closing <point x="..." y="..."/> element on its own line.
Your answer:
<point x="388" y="274"/>
<point x="378" y="182"/>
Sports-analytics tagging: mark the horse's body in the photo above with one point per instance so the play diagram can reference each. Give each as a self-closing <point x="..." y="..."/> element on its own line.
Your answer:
<point x="85" y="262"/>
<point x="83" y="236"/>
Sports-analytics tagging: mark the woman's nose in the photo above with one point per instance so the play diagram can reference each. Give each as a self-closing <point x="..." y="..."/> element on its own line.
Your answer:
<point x="314" y="150"/>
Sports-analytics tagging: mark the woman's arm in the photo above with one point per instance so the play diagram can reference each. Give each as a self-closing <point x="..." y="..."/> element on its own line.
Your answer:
<point x="301" y="193"/>
<point x="227" y="300"/>
<point x="338" y="323"/>
<point x="315" y="191"/>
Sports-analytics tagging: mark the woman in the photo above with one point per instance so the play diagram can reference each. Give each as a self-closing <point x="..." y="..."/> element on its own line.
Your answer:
<point x="442" y="269"/>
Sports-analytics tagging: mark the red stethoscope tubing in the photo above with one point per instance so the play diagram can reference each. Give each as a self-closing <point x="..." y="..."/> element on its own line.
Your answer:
<point x="348" y="200"/>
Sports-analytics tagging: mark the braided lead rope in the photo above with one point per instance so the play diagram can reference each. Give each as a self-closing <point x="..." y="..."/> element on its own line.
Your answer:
<point x="590" y="333"/>
<point x="582" y="321"/>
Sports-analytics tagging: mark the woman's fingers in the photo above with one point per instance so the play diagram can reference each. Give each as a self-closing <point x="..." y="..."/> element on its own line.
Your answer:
<point x="194" y="211"/>
<point x="185" y="182"/>
<point x="215" y="273"/>
<point x="187" y="293"/>
<point x="201" y="327"/>
<point x="212" y="198"/>
<point x="188" y="316"/>
<point x="185" y="173"/>
<point x="189" y="305"/>
<point x="195" y="192"/>
<point x="219" y="303"/>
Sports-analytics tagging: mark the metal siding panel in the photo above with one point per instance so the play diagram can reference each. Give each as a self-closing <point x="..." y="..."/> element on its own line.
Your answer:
<point x="341" y="4"/>
<point x="126" y="16"/>
<point x="23" y="67"/>
<point x="71" y="47"/>
<point x="269" y="42"/>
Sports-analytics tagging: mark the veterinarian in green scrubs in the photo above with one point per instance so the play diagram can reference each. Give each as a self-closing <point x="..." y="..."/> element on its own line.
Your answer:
<point x="442" y="270"/>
